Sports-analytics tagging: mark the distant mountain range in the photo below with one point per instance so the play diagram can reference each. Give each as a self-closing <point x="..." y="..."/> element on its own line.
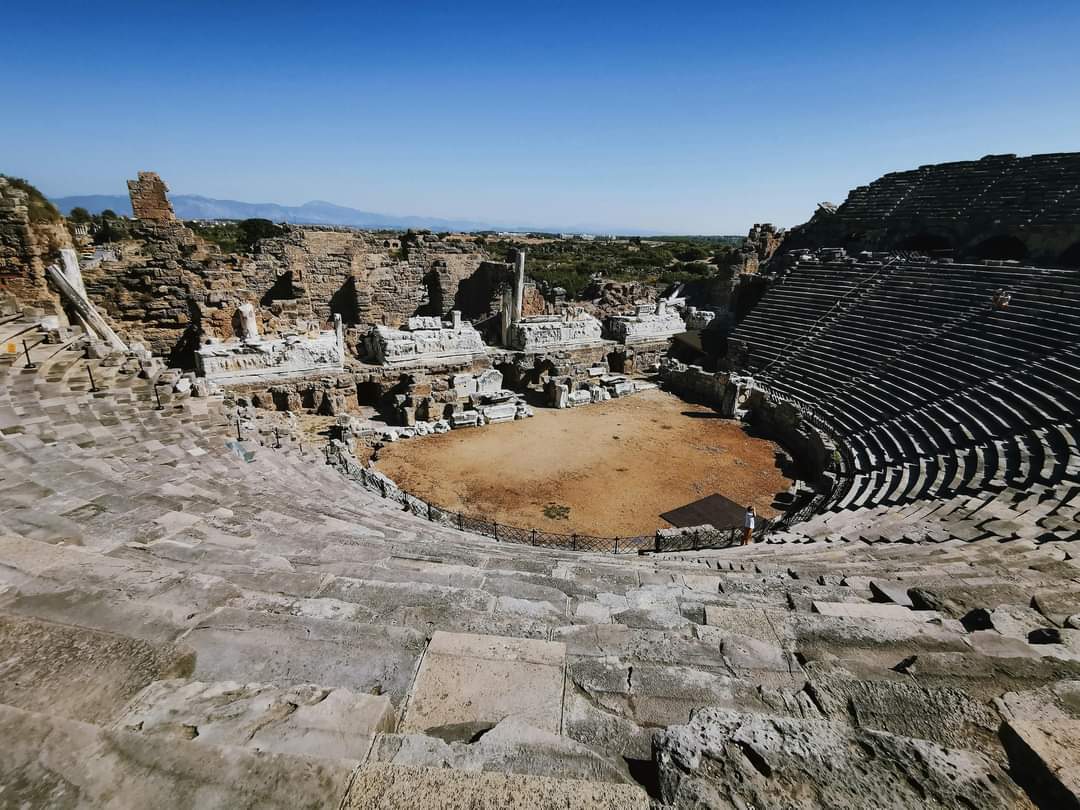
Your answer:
<point x="317" y="212"/>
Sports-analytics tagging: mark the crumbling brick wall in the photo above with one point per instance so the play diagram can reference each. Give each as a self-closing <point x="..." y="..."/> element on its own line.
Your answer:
<point x="335" y="270"/>
<point x="166" y="290"/>
<point x="149" y="200"/>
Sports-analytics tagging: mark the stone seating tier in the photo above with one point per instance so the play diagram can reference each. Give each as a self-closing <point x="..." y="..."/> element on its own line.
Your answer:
<point x="1039" y="189"/>
<point x="184" y="614"/>
<point x="934" y="394"/>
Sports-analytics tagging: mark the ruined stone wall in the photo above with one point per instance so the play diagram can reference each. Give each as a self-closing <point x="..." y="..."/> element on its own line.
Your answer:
<point x="149" y="200"/>
<point x="26" y="249"/>
<point x="356" y="275"/>
<point x="456" y="281"/>
<point x="605" y="297"/>
<point x="171" y="287"/>
<point x="695" y="383"/>
<point x="168" y="286"/>
<point x="782" y="422"/>
<point x="760" y="245"/>
<point x="327" y="271"/>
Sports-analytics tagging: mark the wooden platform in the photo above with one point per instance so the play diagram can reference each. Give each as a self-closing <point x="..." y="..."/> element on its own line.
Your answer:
<point x="715" y="509"/>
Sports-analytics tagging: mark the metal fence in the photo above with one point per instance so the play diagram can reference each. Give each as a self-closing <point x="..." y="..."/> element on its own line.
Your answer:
<point x="375" y="481"/>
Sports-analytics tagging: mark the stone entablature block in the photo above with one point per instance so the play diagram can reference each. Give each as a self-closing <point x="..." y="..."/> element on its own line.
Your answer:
<point x="650" y="322"/>
<point x="555" y="331"/>
<point x="424" y="340"/>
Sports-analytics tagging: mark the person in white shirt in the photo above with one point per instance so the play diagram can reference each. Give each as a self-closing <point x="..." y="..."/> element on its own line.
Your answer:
<point x="748" y="525"/>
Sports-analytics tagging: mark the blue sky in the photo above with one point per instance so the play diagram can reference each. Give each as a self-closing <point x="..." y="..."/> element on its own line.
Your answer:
<point x="678" y="117"/>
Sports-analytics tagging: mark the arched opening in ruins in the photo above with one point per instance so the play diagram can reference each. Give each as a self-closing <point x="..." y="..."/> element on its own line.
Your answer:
<point x="512" y="376"/>
<point x="344" y="302"/>
<point x="281" y="290"/>
<point x="237" y="325"/>
<point x="542" y="370"/>
<point x="368" y="393"/>
<point x="1002" y="248"/>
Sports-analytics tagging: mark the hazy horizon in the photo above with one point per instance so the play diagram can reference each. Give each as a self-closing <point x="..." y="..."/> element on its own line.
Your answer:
<point x="703" y="119"/>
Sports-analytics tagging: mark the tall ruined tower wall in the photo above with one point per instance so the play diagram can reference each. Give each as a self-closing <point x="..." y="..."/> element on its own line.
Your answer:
<point x="149" y="200"/>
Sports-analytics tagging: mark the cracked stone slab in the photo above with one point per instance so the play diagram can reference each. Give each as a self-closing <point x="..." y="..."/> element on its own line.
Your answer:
<point x="512" y="746"/>
<point x="753" y="622"/>
<point x="469" y="683"/>
<point x="1057" y="700"/>
<point x="873" y="610"/>
<point x="234" y="644"/>
<point x="1057" y="606"/>
<point x="306" y="719"/>
<point x="895" y="592"/>
<point x="896" y="703"/>
<point x="677" y="646"/>
<point x="650" y="695"/>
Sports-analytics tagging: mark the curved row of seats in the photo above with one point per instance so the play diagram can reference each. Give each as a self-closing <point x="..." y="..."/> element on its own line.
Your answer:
<point x="934" y="391"/>
<point x="1038" y="189"/>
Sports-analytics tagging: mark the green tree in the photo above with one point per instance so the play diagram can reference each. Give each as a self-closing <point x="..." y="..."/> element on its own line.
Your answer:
<point x="79" y="214"/>
<point x="690" y="254"/>
<point x="252" y="230"/>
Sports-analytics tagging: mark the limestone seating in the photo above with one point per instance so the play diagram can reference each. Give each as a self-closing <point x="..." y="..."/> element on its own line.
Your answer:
<point x="209" y="621"/>
<point x="1035" y="189"/>
<point x="975" y="387"/>
<point x="998" y="597"/>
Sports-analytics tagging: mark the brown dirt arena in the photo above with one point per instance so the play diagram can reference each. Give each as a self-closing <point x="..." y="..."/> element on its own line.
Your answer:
<point x="607" y="469"/>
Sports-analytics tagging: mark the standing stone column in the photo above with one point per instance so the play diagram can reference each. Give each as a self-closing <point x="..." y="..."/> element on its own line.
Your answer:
<point x="339" y="336"/>
<point x="519" y="283"/>
<point x="506" y="316"/>
<point x="249" y="329"/>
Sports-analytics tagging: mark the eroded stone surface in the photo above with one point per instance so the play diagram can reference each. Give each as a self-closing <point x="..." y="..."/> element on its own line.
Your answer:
<point x="50" y="762"/>
<point x="512" y="746"/>
<point x="899" y="705"/>
<point x="728" y="759"/>
<point x="283" y="650"/>
<point x="77" y="673"/>
<point x="308" y="719"/>
<point x="386" y="787"/>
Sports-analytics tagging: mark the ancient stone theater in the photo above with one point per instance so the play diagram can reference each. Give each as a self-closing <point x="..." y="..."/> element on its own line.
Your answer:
<point x="210" y="597"/>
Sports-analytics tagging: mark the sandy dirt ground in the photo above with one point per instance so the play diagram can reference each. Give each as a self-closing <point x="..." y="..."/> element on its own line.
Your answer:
<point x="606" y="469"/>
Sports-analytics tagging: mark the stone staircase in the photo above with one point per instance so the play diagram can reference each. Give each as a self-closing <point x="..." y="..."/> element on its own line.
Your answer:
<point x="189" y="620"/>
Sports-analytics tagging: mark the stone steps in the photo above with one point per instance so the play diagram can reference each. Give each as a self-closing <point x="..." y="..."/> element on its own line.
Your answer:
<point x="184" y="600"/>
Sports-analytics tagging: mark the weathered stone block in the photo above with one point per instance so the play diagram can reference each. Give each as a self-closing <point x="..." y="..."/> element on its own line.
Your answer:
<point x="469" y="683"/>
